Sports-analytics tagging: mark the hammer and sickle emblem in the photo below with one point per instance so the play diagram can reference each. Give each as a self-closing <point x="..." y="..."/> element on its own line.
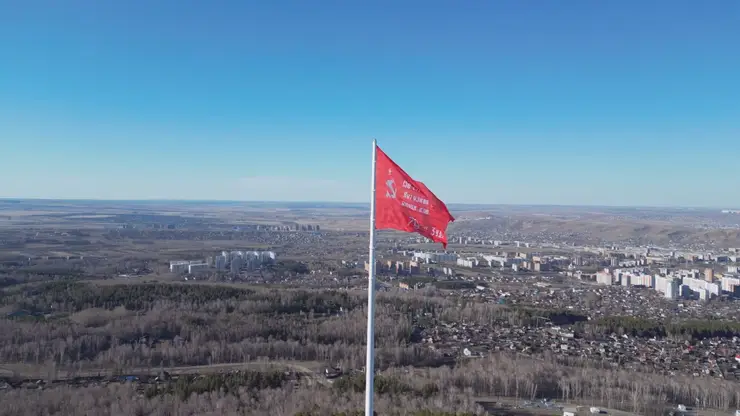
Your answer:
<point x="391" y="191"/>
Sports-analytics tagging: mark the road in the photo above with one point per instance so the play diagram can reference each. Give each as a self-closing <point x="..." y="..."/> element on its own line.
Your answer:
<point x="506" y="406"/>
<point x="306" y="368"/>
<point x="512" y="406"/>
<point x="313" y="372"/>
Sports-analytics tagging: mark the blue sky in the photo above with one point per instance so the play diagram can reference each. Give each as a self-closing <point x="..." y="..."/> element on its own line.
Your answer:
<point x="578" y="102"/>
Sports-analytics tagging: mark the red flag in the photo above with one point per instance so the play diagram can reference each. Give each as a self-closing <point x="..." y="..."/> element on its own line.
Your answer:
<point x="404" y="204"/>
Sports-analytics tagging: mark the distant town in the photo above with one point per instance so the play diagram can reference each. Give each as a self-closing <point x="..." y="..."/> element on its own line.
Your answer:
<point x="163" y="298"/>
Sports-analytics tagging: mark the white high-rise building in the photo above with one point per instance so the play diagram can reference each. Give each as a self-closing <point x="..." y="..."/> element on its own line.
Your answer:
<point x="220" y="262"/>
<point x="730" y="283"/>
<point x="671" y="291"/>
<point x="625" y="279"/>
<point x="435" y="257"/>
<point x="179" y="266"/>
<point x="604" y="278"/>
<point x="661" y="283"/>
<point x="197" y="267"/>
<point x="236" y="264"/>
<point x="646" y="280"/>
<point x="697" y="285"/>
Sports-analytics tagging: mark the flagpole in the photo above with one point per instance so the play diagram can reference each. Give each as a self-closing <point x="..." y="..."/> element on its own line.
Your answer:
<point x="370" y="357"/>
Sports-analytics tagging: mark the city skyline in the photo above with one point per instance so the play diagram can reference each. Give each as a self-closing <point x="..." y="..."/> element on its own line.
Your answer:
<point x="362" y="204"/>
<point x="628" y="104"/>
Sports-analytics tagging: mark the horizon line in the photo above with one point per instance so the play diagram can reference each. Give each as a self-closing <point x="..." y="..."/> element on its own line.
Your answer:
<point x="154" y="200"/>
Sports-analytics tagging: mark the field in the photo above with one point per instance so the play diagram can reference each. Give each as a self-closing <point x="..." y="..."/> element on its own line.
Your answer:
<point x="658" y="226"/>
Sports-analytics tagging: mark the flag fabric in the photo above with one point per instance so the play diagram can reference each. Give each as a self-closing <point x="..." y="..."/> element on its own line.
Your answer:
<point x="403" y="204"/>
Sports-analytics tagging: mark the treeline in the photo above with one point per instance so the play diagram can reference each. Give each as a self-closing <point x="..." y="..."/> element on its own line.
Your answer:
<point x="384" y="385"/>
<point x="66" y="296"/>
<point x="120" y="327"/>
<point x="285" y="267"/>
<point x="153" y="325"/>
<point x="647" y="328"/>
<point x="6" y="281"/>
<point x="230" y="383"/>
<point x="125" y="400"/>
<point x="486" y="313"/>
<point x="362" y="413"/>
<point x="439" y="284"/>
<point x="399" y="391"/>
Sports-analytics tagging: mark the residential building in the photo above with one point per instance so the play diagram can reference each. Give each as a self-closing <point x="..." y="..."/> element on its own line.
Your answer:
<point x="604" y="277"/>
<point x="730" y="283"/>
<point x="197" y="268"/>
<point x="220" y="262"/>
<point x="179" y="266"/>
<point x="672" y="290"/>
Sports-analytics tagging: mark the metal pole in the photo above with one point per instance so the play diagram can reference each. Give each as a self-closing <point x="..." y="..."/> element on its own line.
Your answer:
<point x="370" y="357"/>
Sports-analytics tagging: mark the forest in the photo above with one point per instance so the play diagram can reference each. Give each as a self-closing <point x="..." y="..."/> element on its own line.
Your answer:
<point x="65" y="329"/>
